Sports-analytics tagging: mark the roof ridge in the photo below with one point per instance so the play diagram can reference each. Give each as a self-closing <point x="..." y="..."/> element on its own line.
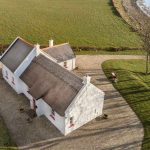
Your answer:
<point x="54" y="46"/>
<point x="47" y="56"/>
<point x="49" y="73"/>
<point x="62" y="67"/>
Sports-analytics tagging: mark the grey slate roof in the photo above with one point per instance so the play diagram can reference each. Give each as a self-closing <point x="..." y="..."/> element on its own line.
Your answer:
<point x="16" y="54"/>
<point x="61" y="52"/>
<point x="56" y="85"/>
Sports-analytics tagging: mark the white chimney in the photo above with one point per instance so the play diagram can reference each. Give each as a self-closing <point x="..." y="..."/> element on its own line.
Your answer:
<point x="37" y="47"/>
<point x="51" y="43"/>
<point x="86" y="79"/>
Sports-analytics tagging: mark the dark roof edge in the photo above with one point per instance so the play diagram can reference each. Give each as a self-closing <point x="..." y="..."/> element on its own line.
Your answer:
<point x="17" y="38"/>
<point x="55" y="46"/>
<point x="25" y="41"/>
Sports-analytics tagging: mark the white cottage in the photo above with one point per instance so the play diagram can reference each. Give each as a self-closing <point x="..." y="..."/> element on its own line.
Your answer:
<point x="65" y="99"/>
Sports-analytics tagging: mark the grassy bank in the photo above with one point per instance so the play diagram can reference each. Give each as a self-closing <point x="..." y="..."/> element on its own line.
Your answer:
<point x="5" y="140"/>
<point x="134" y="86"/>
<point x="91" y="23"/>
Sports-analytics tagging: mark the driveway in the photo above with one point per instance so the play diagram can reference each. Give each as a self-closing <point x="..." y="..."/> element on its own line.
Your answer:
<point x="122" y="129"/>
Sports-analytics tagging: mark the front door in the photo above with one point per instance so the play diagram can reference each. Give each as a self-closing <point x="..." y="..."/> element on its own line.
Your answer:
<point x="34" y="104"/>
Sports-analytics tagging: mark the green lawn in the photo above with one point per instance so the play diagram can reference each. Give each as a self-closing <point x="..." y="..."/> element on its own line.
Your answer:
<point x="82" y="23"/>
<point x="5" y="140"/>
<point x="134" y="86"/>
<point x="105" y="52"/>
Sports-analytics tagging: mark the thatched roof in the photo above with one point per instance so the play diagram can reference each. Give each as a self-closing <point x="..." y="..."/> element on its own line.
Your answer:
<point x="48" y="80"/>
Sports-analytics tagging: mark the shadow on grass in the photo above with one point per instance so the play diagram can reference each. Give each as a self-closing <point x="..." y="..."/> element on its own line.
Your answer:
<point x="114" y="11"/>
<point x="134" y="87"/>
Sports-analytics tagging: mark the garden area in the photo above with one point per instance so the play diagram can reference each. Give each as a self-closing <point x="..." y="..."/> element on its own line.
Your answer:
<point x="134" y="86"/>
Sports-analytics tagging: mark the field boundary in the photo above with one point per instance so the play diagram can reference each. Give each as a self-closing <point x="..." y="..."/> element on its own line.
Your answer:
<point x="86" y="48"/>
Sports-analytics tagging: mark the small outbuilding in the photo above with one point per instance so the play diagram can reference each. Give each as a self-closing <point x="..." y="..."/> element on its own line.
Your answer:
<point x="63" y="54"/>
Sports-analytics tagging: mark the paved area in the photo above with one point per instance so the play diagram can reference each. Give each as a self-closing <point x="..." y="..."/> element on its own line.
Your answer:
<point x="122" y="129"/>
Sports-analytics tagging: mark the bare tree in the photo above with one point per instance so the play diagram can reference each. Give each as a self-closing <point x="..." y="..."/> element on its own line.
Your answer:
<point x="145" y="34"/>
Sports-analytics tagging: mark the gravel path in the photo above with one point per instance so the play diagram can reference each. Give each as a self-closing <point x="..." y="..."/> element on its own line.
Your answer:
<point x="122" y="129"/>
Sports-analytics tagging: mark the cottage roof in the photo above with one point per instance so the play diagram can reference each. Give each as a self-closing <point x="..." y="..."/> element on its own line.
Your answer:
<point x="51" y="82"/>
<point x="61" y="52"/>
<point x="16" y="53"/>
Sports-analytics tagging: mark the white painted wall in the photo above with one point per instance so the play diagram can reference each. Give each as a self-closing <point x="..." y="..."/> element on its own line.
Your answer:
<point x="26" y="62"/>
<point x="86" y="106"/>
<point x="44" y="109"/>
<point x="16" y="86"/>
<point x="70" y="64"/>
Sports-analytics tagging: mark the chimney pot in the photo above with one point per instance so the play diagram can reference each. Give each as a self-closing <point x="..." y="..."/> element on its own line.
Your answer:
<point x="37" y="46"/>
<point x="51" y="43"/>
<point x="86" y="79"/>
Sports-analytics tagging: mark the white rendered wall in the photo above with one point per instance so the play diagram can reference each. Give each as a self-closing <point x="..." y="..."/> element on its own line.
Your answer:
<point x="16" y="85"/>
<point x="19" y="86"/>
<point x="70" y="64"/>
<point x="44" y="109"/>
<point x="87" y="106"/>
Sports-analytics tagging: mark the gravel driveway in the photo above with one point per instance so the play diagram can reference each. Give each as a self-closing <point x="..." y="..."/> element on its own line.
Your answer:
<point x="122" y="129"/>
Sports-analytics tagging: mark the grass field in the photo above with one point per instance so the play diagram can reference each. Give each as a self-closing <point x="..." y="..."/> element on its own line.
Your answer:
<point x="135" y="88"/>
<point x="80" y="22"/>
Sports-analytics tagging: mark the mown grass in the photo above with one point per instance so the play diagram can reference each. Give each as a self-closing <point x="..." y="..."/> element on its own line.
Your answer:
<point x="105" y="52"/>
<point x="5" y="140"/>
<point x="134" y="86"/>
<point x="82" y="23"/>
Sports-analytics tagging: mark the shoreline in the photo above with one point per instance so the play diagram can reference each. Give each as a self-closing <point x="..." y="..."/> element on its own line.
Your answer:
<point x="134" y="12"/>
<point x="141" y="4"/>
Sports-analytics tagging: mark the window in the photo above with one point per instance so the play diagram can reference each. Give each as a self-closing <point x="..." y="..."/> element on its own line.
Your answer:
<point x="34" y="104"/>
<point x="52" y="114"/>
<point x="71" y="122"/>
<point x="13" y="80"/>
<point x="65" y="64"/>
<point x="6" y="74"/>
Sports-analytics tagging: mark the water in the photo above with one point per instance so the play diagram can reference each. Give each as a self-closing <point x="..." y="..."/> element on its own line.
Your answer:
<point x="147" y="3"/>
<point x="144" y="6"/>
